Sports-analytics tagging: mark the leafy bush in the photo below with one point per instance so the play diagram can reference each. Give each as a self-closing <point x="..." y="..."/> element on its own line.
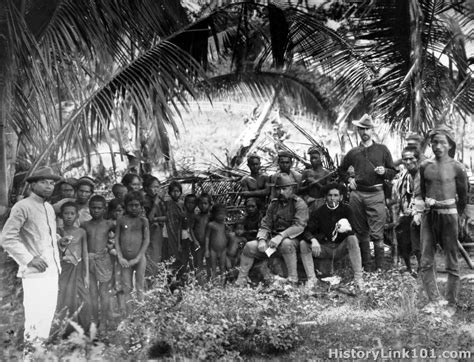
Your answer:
<point x="209" y="323"/>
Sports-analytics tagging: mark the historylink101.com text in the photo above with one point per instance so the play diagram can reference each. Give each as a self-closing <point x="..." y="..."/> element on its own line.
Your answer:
<point x="411" y="353"/>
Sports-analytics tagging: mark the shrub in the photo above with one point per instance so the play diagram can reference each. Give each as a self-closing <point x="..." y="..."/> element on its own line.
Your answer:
<point x="201" y="323"/>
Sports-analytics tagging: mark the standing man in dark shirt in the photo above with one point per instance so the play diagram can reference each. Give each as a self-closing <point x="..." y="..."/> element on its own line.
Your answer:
<point x="372" y="164"/>
<point x="329" y="236"/>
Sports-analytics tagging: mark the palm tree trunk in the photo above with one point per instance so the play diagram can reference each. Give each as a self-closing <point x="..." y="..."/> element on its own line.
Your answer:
<point x="5" y="105"/>
<point x="416" y="17"/>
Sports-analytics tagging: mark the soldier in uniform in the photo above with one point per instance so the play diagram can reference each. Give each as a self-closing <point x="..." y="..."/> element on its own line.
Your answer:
<point x="372" y="164"/>
<point x="285" y="220"/>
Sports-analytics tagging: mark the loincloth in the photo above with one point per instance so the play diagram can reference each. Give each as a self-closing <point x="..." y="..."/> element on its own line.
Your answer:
<point x="100" y="264"/>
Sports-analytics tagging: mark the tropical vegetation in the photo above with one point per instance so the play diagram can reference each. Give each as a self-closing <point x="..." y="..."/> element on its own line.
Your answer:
<point x="77" y="73"/>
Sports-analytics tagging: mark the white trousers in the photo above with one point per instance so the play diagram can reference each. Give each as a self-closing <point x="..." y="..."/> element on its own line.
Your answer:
<point x="40" y="296"/>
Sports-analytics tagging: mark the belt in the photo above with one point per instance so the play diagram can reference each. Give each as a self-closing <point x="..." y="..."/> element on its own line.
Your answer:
<point x="373" y="188"/>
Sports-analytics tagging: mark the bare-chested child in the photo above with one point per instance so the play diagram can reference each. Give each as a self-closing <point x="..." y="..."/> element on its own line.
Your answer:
<point x="443" y="184"/>
<point x="216" y="239"/>
<point x="198" y="231"/>
<point x="74" y="278"/>
<point x="236" y="242"/>
<point x="100" y="261"/>
<point x="132" y="239"/>
<point x="115" y="211"/>
<point x="313" y="180"/>
<point x="188" y="243"/>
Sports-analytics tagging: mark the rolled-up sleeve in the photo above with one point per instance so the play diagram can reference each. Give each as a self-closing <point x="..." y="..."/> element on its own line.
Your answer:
<point x="300" y="220"/>
<point x="10" y="239"/>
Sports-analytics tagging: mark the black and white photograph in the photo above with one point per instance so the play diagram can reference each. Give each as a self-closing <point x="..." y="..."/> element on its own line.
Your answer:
<point x="286" y="180"/>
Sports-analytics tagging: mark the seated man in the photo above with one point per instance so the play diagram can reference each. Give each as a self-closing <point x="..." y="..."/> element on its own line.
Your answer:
<point x="329" y="236"/>
<point x="284" y="221"/>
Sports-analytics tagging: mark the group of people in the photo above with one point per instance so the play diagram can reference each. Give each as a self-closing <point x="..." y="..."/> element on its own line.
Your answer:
<point x="74" y="251"/>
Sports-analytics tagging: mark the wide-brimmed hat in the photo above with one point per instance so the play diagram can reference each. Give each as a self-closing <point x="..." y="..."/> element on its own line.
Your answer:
<point x="284" y="180"/>
<point x="364" y="122"/>
<point x="43" y="173"/>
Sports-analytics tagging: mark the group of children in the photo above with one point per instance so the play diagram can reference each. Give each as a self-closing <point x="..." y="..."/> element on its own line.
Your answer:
<point x="111" y="247"/>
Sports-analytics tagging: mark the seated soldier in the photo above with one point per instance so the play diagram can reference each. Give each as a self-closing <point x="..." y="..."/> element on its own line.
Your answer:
<point x="284" y="221"/>
<point x="329" y="236"/>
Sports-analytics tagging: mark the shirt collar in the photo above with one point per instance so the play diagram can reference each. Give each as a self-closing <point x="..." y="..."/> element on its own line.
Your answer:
<point x="37" y="198"/>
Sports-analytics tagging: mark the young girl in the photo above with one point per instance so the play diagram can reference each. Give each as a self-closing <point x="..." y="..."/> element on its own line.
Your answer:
<point x="133" y="236"/>
<point x="115" y="211"/>
<point x="173" y="211"/>
<point x="132" y="182"/>
<point x="74" y="278"/>
<point x="216" y="239"/>
<point x="198" y="231"/>
<point x="151" y="189"/>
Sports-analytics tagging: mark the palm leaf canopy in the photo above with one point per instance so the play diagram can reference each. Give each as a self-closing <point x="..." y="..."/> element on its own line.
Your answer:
<point x="383" y="37"/>
<point x="120" y="62"/>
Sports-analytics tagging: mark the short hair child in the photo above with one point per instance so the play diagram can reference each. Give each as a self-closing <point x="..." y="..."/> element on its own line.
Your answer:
<point x="133" y="237"/>
<point x="74" y="277"/>
<point x="236" y="243"/>
<point x="198" y="230"/>
<point x="119" y="191"/>
<point x="216" y="239"/>
<point x="100" y="262"/>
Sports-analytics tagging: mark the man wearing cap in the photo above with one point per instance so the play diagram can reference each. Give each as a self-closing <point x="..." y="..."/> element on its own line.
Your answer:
<point x="256" y="184"/>
<point x="285" y="162"/>
<point x="443" y="187"/>
<point x="284" y="221"/>
<point x="29" y="237"/>
<point x="373" y="164"/>
<point x="329" y="236"/>
<point x="313" y="180"/>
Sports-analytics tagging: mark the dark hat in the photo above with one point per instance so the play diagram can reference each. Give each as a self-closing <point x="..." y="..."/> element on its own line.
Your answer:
<point x="314" y="149"/>
<point x="43" y="173"/>
<point x="364" y="122"/>
<point x="284" y="180"/>
<point x="334" y="185"/>
<point x="284" y="153"/>
<point x="448" y="132"/>
<point x="85" y="180"/>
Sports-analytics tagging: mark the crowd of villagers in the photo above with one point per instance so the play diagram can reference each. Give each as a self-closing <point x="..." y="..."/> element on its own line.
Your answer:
<point x="312" y="218"/>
